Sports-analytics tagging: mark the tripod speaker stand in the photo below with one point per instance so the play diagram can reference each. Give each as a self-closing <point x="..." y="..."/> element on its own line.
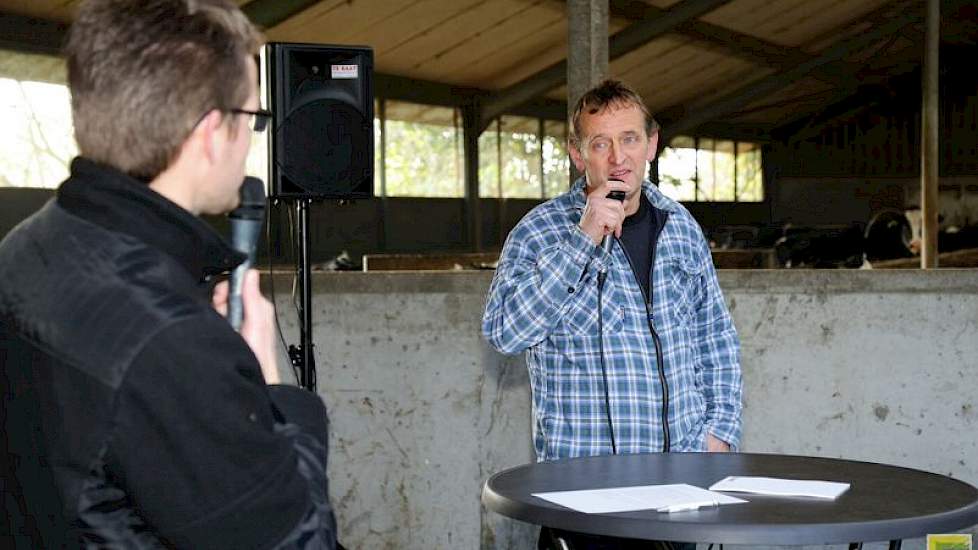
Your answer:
<point x="321" y="147"/>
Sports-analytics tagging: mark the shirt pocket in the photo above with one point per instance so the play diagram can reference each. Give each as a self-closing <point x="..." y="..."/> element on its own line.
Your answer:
<point x="684" y="288"/>
<point x="581" y="315"/>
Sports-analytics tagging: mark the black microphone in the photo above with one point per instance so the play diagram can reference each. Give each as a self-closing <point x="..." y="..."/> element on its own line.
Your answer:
<point x="246" y="221"/>
<point x="606" y="242"/>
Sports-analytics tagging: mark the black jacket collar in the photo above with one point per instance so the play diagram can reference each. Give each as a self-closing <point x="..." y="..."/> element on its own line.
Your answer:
<point x="118" y="202"/>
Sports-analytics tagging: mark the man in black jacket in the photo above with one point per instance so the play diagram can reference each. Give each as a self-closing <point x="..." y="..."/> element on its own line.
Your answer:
<point x="133" y="415"/>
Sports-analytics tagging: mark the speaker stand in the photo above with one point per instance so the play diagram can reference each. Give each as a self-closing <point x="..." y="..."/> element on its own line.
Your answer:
<point x="302" y="357"/>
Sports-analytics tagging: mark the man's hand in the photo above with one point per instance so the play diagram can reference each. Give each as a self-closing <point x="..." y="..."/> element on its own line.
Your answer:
<point x="715" y="445"/>
<point x="603" y="216"/>
<point x="258" y="325"/>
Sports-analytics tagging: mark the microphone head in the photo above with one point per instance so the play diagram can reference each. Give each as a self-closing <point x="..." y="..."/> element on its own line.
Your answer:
<point x="252" y="204"/>
<point x="616" y="194"/>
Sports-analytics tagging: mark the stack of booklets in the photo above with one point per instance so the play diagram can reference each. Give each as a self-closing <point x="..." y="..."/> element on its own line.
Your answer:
<point x="781" y="487"/>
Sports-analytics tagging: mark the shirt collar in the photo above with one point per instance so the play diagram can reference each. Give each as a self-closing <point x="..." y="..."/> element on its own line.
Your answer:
<point x="113" y="200"/>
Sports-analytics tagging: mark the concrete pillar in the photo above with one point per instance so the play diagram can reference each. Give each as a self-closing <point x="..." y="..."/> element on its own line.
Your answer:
<point x="930" y="145"/>
<point x="587" y="51"/>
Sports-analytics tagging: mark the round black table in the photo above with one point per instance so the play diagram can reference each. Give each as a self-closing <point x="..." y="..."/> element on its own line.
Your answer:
<point x="882" y="503"/>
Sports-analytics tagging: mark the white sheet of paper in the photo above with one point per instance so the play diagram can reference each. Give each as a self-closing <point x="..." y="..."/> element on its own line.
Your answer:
<point x="642" y="497"/>
<point x="781" y="487"/>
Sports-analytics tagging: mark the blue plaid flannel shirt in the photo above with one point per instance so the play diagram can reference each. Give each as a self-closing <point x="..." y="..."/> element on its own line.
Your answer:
<point x="543" y="300"/>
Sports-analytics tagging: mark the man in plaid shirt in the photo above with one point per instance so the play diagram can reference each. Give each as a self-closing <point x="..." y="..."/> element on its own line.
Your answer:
<point x="590" y="320"/>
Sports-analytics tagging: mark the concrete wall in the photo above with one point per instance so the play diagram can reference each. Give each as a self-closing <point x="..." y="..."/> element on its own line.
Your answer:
<point x="877" y="366"/>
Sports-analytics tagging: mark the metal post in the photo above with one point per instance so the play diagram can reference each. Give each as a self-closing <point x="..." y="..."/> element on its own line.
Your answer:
<point x="382" y="115"/>
<point x="470" y="141"/>
<point x="587" y="55"/>
<point x="501" y="211"/>
<point x="307" y="375"/>
<point x="929" y="139"/>
<point x="540" y="138"/>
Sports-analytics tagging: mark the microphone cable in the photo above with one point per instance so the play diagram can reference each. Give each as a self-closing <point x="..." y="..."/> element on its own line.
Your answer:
<point x="619" y="196"/>
<point x="271" y="279"/>
<point x="604" y="371"/>
<point x="663" y="382"/>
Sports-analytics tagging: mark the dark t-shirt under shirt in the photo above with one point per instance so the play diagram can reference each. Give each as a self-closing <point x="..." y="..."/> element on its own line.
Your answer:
<point x="639" y="233"/>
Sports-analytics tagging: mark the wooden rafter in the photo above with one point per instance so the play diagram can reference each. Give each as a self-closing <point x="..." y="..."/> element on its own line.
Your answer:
<point x="620" y="43"/>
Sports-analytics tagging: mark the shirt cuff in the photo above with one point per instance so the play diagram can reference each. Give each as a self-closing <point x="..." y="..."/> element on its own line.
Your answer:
<point x="582" y="250"/>
<point x="728" y="433"/>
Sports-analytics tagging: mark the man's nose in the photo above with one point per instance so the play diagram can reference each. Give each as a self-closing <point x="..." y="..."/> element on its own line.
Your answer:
<point x="614" y="153"/>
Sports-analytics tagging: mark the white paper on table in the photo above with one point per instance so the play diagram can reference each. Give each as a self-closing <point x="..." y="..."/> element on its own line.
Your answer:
<point x="642" y="497"/>
<point x="781" y="487"/>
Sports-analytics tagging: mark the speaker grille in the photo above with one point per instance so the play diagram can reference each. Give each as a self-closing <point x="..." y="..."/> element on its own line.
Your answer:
<point x="326" y="147"/>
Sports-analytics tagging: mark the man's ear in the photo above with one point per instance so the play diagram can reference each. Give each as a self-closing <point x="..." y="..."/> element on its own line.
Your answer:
<point x="206" y="139"/>
<point x="653" y="146"/>
<point x="576" y="156"/>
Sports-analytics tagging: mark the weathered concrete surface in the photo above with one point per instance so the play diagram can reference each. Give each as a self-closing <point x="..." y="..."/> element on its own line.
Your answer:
<point x="877" y="366"/>
<point x="422" y="411"/>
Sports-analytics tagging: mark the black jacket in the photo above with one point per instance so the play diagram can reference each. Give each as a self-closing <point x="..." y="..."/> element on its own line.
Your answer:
<point x="133" y="415"/>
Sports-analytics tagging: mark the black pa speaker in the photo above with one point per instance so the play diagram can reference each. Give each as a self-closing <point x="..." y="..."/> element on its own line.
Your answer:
<point x="322" y="139"/>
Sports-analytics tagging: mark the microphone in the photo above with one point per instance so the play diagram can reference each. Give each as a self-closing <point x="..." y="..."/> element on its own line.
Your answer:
<point x="246" y="221"/>
<point x="607" y="240"/>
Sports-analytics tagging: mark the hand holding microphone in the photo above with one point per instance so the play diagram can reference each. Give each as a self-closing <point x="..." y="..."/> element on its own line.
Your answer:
<point x="619" y="196"/>
<point x="604" y="213"/>
<point x="246" y="222"/>
<point x="240" y="298"/>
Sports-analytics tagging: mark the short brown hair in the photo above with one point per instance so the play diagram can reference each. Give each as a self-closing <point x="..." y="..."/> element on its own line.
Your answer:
<point x="142" y="73"/>
<point x="610" y="93"/>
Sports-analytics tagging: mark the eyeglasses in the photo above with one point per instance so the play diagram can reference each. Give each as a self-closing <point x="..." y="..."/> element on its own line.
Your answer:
<point x="259" y="118"/>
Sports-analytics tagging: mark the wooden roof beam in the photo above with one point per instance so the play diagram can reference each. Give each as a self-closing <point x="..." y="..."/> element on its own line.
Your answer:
<point x="694" y="116"/>
<point x="31" y="35"/>
<point x="738" y="44"/>
<point x="269" y="13"/>
<point x="619" y="44"/>
<point x="747" y="47"/>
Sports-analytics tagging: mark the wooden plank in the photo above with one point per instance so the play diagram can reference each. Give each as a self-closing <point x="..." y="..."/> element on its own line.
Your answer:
<point x="475" y="61"/>
<point x="430" y="262"/>
<point x="501" y="22"/>
<point x="967" y="258"/>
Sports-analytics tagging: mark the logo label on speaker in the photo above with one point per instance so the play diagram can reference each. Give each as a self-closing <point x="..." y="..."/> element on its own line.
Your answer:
<point x="345" y="71"/>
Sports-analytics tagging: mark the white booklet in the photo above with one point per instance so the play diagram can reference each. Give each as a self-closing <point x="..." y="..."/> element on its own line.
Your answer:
<point x="781" y="487"/>
<point x="662" y="498"/>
